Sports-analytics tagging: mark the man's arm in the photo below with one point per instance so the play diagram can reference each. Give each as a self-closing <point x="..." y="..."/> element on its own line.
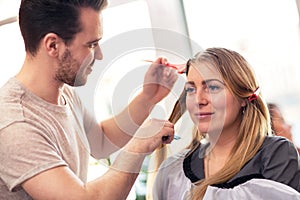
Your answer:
<point x="116" y="183"/>
<point x="158" y="82"/>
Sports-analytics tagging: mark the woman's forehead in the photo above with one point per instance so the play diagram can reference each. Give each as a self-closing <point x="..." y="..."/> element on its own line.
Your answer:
<point x="203" y="71"/>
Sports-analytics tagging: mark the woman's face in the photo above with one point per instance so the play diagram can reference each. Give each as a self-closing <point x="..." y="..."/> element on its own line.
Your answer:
<point x="211" y="106"/>
<point x="281" y="128"/>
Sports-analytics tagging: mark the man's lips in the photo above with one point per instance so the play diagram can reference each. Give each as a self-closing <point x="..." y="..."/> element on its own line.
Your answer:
<point x="89" y="70"/>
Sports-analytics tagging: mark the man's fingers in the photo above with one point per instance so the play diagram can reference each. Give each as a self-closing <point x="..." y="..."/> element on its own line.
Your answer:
<point x="152" y="127"/>
<point x="166" y="139"/>
<point x="168" y="124"/>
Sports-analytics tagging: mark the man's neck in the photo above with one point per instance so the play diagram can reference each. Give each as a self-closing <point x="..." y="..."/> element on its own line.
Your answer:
<point x="37" y="77"/>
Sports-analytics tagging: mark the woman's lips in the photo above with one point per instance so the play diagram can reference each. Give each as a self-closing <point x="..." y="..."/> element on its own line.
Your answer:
<point x="204" y="115"/>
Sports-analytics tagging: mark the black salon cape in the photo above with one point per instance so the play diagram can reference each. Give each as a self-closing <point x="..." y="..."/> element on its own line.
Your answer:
<point x="277" y="163"/>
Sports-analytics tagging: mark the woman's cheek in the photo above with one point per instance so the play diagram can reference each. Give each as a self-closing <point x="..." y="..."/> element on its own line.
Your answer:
<point x="191" y="107"/>
<point x="219" y="101"/>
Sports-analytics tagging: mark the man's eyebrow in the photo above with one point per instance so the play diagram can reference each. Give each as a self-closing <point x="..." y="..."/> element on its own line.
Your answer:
<point x="94" y="41"/>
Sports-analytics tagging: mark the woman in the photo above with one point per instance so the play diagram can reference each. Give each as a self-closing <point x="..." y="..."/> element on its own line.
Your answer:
<point x="232" y="144"/>
<point x="278" y="124"/>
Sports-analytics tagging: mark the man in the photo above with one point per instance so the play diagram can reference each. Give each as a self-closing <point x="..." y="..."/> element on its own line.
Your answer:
<point x="46" y="135"/>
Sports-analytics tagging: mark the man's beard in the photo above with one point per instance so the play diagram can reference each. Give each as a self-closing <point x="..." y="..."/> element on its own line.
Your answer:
<point x="69" y="70"/>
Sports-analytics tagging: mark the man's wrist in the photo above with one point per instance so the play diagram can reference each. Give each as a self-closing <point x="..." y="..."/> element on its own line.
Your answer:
<point x="129" y="162"/>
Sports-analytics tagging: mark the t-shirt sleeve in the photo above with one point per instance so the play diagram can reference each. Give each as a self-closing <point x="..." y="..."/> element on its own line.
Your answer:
<point x="25" y="152"/>
<point x="281" y="162"/>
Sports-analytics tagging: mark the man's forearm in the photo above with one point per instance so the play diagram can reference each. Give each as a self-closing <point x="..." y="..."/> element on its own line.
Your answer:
<point x="120" y="177"/>
<point x="120" y="128"/>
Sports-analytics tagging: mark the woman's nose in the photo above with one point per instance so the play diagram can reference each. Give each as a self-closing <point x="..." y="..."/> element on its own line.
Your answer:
<point x="202" y="97"/>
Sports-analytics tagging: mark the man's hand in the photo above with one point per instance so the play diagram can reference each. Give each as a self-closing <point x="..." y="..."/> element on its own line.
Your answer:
<point x="150" y="135"/>
<point x="158" y="83"/>
<point x="158" y="80"/>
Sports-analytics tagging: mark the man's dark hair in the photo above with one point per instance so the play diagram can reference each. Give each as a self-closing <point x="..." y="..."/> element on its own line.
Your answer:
<point x="62" y="17"/>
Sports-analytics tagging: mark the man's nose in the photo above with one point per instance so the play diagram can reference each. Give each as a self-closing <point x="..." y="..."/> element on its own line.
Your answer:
<point x="98" y="53"/>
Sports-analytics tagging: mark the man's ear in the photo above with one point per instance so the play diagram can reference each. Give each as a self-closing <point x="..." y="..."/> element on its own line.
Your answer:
<point x="51" y="43"/>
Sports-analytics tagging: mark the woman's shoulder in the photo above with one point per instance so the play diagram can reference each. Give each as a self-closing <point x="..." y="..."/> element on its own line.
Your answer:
<point x="274" y="139"/>
<point x="274" y="143"/>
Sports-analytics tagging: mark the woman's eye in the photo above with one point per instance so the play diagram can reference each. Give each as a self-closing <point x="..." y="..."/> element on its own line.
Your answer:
<point x="213" y="88"/>
<point x="190" y="90"/>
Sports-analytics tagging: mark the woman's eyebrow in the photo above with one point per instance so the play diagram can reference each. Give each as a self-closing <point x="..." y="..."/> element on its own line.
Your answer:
<point x="190" y="83"/>
<point x="204" y="82"/>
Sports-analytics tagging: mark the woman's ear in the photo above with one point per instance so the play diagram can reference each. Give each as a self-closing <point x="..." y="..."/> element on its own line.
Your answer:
<point x="243" y="102"/>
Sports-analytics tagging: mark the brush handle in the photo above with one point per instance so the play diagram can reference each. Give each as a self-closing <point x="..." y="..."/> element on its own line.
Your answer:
<point x="179" y="67"/>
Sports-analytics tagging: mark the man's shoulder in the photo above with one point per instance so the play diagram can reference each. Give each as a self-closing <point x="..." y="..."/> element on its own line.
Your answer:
<point x="10" y="103"/>
<point x="11" y="90"/>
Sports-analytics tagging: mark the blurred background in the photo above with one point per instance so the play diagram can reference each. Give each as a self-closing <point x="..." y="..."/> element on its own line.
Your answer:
<point x="265" y="32"/>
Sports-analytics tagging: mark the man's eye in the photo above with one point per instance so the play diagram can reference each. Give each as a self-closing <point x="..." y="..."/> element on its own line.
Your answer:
<point x="93" y="45"/>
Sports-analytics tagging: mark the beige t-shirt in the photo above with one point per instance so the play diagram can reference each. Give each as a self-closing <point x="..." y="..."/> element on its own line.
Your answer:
<point x="36" y="136"/>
